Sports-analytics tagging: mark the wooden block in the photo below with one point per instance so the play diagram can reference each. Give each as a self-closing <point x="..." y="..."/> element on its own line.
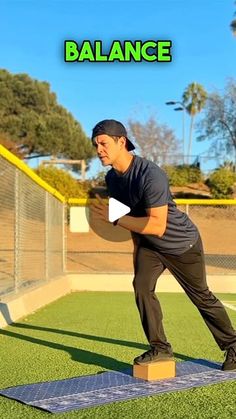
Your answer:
<point x="155" y="371"/>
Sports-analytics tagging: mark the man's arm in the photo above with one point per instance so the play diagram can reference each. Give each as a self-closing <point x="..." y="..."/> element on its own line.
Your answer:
<point x="153" y="223"/>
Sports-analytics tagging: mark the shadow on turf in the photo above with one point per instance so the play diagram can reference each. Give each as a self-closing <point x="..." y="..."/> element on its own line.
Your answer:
<point x="84" y="356"/>
<point x="79" y="355"/>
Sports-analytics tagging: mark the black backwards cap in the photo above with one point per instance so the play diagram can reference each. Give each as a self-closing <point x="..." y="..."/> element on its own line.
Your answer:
<point x="112" y="127"/>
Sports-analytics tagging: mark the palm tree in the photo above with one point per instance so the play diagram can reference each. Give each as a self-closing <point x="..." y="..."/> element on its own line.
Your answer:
<point x="233" y="27"/>
<point x="194" y="99"/>
<point x="233" y="24"/>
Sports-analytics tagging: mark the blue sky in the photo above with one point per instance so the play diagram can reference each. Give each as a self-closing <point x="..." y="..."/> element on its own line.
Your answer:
<point x="33" y="34"/>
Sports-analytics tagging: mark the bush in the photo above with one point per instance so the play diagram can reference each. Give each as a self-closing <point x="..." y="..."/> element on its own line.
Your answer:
<point x="63" y="182"/>
<point x="99" y="179"/>
<point x="221" y="183"/>
<point x="182" y="175"/>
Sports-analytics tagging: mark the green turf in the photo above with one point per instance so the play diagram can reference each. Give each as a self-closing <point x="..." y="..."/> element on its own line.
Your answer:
<point x="84" y="333"/>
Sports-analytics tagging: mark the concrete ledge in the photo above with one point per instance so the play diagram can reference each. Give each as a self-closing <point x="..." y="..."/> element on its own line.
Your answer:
<point x="101" y="282"/>
<point x="15" y="306"/>
<point x="123" y="282"/>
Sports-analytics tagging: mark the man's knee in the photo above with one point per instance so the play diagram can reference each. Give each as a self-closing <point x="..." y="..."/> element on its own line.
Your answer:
<point x="136" y="284"/>
<point x="204" y="300"/>
<point x="140" y="285"/>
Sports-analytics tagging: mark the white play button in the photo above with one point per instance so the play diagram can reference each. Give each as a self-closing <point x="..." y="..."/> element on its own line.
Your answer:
<point x="116" y="209"/>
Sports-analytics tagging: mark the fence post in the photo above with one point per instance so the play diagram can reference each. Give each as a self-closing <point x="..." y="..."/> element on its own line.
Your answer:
<point x="64" y="236"/>
<point x="46" y="236"/>
<point x="187" y="209"/>
<point x="17" y="233"/>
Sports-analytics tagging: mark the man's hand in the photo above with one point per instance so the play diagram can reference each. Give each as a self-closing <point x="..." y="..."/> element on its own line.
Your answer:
<point x="100" y="210"/>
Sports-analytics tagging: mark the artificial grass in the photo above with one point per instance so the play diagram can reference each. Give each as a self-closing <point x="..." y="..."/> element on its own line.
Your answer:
<point x="84" y="333"/>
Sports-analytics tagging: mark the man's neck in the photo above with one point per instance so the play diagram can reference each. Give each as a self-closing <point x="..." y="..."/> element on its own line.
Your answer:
<point x="123" y="163"/>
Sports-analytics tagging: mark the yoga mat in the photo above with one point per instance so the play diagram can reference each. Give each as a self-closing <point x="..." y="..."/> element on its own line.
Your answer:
<point x="108" y="387"/>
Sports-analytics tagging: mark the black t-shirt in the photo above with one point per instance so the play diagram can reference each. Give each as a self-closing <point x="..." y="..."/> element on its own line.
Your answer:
<point x="145" y="185"/>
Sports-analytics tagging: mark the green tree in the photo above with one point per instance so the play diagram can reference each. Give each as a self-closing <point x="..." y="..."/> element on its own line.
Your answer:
<point x="6" y="142"/>
<point x="31" y="117"/>
<point x="219" y="122"/>
<point x="194" y="99"/>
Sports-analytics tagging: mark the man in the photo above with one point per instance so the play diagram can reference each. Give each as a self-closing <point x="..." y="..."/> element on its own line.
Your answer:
<point x="164" y="237"/>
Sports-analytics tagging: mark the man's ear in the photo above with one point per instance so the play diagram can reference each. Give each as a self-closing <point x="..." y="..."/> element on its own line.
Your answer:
<point x="122" y="141"/>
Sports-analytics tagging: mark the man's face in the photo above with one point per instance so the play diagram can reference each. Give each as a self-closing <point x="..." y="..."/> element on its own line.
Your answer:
<point x="108" y="149"/>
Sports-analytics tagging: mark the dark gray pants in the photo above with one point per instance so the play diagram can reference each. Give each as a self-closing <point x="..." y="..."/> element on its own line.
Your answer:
<point x="189" y="270"/>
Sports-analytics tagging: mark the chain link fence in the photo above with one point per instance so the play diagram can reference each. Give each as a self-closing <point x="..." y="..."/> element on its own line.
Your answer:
<point x="36" y="243"/>
<point x="89" y="252"/>
<point x="31" y="229"/>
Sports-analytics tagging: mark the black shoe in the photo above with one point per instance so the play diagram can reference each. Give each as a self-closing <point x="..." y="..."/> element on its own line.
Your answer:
<point x="153" y="355"/>
<point x="230" y="360"/>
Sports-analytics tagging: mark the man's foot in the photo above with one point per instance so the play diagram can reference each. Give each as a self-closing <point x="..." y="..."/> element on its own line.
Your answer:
<point x="153" y="355"/>
<point x="230" y="360"/>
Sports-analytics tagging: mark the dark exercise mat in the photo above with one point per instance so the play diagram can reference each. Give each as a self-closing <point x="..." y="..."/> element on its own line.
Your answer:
<point x="94" y="390"/>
